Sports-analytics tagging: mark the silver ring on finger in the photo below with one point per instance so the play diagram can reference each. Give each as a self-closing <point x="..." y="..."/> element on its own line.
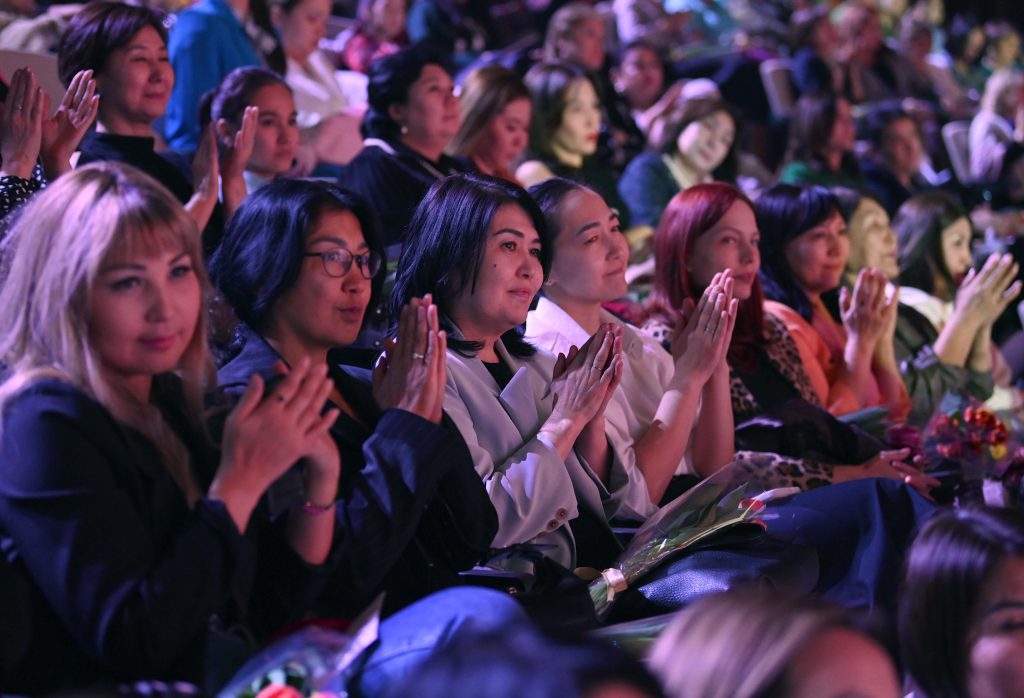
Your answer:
<point x="418" y="356"/>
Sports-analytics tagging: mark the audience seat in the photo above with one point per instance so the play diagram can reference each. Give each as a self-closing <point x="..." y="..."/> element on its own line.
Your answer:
<point x="44" y="65"/>
<point x="954" y="136"/>
<point x="776" y="74"/>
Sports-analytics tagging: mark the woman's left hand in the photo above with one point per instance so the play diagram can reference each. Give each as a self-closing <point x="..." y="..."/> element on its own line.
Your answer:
<point x="64" y="130"/>
<point x="322" y="463"/>
<point x="701" y="341"/>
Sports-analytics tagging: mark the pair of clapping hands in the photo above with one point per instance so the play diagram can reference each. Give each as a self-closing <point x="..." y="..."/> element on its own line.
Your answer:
<point x="30" y="132"/>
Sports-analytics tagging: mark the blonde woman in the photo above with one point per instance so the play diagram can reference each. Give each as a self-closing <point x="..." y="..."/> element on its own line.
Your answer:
<point x="997" y="130"/>
<point x="747" y="643"/>
<point x="495" y="121"/>
<point x="131" y="530"/>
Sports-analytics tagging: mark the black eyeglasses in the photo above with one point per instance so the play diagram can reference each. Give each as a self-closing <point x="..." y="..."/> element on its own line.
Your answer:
<point x="338" y="261"/>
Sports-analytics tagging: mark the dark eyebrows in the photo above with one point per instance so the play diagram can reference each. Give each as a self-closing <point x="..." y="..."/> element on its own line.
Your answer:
<point x="130" y="266"/>
<point x="1010" y="604"/>
<point x="511" y="231"/>
<point x="613" y="216"/>
<point x="338" y="242"/>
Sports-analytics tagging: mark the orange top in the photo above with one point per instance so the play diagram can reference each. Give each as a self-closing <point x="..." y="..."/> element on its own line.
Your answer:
<point x="821" y="344"/>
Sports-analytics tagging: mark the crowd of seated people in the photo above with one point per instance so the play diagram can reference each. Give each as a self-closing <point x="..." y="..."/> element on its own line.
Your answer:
<point x="443" y="300"/>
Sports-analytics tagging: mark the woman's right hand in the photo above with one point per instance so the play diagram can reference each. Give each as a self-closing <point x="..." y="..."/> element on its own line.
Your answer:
<point x="703" y="334"/>
<point x="864" y="311"/>
<point x="412" y="372"/>
<point x="205" y="179"/>
<point x="984" y="295"/>
<point x="21" y="125"/>
<point x="266" y="435"/>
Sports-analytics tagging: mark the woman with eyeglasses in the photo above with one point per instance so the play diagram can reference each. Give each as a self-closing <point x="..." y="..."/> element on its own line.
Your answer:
<point x="300" y="264"/>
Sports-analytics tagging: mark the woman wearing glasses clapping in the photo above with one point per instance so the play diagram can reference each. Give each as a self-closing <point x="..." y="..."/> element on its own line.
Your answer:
<point x="300" y="264"/>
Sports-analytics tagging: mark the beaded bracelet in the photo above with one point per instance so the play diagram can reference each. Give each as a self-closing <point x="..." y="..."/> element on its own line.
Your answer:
<point x="315" y="509"/>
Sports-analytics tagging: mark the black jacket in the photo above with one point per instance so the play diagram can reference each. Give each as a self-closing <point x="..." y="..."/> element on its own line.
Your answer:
<point x="121" y="578"/>
<point x="412" y="511"/>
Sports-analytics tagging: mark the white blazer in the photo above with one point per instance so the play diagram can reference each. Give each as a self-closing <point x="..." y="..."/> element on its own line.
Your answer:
<point x="647" y="371"/>
<point x="533" y="490"/>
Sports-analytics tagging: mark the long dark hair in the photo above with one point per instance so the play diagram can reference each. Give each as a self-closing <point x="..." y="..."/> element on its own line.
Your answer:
<point x="690" y="214"/>
<point x="260" y="256"/>
<point x="949" y="564"/>
<point x="919" y="223"/>
<point x="445" y="242"/>
<point x="666" y="142"/>
<point x="785" y="211"/>
<point x="549" y="84"/>
<point x="813" y="118"/>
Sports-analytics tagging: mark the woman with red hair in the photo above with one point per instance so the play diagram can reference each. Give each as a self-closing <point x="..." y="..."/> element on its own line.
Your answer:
<point x="710" y="228"/>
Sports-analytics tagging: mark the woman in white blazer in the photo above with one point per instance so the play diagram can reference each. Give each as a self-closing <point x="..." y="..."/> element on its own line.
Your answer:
<point x="533" y="423"/>
<point x="670" y="415"/>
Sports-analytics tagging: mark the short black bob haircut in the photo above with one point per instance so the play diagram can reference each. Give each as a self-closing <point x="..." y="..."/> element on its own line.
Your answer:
<point x="954" y="556"/>
<point x="260" y="256"/>
<point x="99" y="29"/>
<point x="783" y="212"/>
<point x="445" y="243"/>
<point x="388" y="82"/>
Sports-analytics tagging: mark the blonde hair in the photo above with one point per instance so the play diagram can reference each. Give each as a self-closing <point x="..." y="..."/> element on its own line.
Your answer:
<point x="51" y="260"/>
<point x="484" y="94"/>
<point x="563" y="23"/>
<point x="737" y="644"/>
<point x="998" y="87"/>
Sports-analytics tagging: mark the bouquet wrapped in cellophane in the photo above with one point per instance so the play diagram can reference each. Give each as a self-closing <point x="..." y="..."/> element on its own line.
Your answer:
<point x="719" y="502"/>
<point x="967" y="435"/>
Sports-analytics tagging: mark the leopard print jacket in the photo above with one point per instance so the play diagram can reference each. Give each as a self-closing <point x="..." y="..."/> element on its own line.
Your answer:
<point x="771" y="469"/>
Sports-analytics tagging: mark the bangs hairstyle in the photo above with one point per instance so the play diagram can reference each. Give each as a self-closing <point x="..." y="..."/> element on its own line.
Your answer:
<point x="690" y="214"/>
<point x="445" y="243"/>
<point x="953" y="558"/>
<point x="484" y="94"/>
<point x="919" y="223"/>
<point x="784" y="212"/>
<point x="60" y="243"/>
<point x="99" y="29"/>
<point x="740" y="642"/>
<point x="549" y="85"/>
<point x="260" y="257"/>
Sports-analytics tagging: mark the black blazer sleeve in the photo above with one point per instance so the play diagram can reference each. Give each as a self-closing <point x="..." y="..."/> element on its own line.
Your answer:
<point x="132" y="572"/>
